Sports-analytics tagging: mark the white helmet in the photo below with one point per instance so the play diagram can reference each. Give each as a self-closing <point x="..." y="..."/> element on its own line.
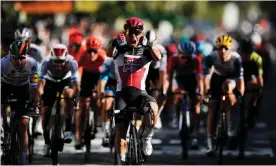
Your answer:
<point x="22" y="33"/>
<point x="59" y="52"/>
<point x="151" y="36"/>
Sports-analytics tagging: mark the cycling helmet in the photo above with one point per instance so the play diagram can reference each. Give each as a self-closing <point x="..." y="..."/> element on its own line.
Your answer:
<point x="75" y="38"/>
<point x="151" y="36"/>
<point x="224" y="40"/>
<point x="59" y="52"/>
<point x="246" y="46"/>
<point x="94" y="43"/>
<point x="19" y="49"/>
<point x="184" y="38"/>
<point x="134" y="23"/>
<point x="22" y="33"/>
<point x="186" y="47"/>
<point x="200" y="47"/>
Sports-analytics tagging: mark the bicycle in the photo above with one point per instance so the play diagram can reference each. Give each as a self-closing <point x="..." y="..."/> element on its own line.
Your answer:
<point x="184" y="125"/>
<point x="134" y="155"/>
<point x="57" y="129"/>
<point x="11" y="146"/>
<point x="221" y="136"/>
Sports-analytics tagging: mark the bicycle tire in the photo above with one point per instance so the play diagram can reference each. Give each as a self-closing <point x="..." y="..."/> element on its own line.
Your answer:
<point x="133" y="157"/>
<point x="14" y="147"/>
<point x="184" y="137"/>
<point x="222" y="137"/>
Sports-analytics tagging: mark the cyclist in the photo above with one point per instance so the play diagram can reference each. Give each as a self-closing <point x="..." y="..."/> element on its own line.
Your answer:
<point x="19" y="76"/>
<point x="156" y="84"/>
<point x="253" y="76"/>
<point x="227" y="78"/>
<point x="35" y="51"/>
<point x="106" y="89"/>
<point x="91" y="62"/>
<point x="185" y="73"/>
<point x="132" y="60"/>
<point x="58" y="72"/>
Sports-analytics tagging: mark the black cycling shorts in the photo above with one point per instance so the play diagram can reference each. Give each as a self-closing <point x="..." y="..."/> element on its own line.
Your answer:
<point x="89" y="81"/>
<point x="187" y="83"/>
<point x="131" y="97"/>
<point x="51" y="88"/>
<point x="22" y="93"/>
<point x="216" y="83"/>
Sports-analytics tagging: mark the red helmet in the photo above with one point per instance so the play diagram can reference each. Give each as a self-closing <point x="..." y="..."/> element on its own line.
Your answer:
<point x="94" y="43"/>
<point x="134" y="23"/>
<point x="75" y="38"/>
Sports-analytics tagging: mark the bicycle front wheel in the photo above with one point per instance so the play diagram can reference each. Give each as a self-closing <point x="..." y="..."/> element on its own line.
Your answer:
<point x="133" y="147"/>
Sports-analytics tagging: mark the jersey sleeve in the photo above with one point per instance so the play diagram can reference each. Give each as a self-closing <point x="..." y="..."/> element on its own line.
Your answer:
<point x="207" y="65"/>
<point x="74" y="70"/>
<point x="105" y="70"/>
<point x="259" y="62"/>
<point x="34" y="77"/>
<point x="198" y="65"/>
<point x="43" y="69"/>
<point x="238" y="68"/>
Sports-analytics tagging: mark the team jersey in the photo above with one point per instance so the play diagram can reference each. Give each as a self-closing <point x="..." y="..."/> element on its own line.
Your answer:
<point x="231" y="69"/>
<point x="108" y="70"/>
<point x="36" y="53"/>
<point x="179" y="68"/>
<point x="92" y="66"/>
<point x="132" y="66"/>
<point x="49" y="71"/>
<point x="27" y="75"/>
<point x="108" y="73"/>
<point x="252" y="66"/>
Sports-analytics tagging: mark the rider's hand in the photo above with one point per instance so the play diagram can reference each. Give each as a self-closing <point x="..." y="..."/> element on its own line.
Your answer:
<point x="76" y="104"/>
<point x="119" y="41"/>
<point x="144" y="41"/>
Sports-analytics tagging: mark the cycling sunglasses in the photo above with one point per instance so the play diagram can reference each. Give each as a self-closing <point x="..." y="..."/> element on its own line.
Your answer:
<point x="19" y="57"/>
<point x="92" y="50"/>
<point x="136" y="32"/>
<point x="58" y="61"/>
<point x="223" y="47"/>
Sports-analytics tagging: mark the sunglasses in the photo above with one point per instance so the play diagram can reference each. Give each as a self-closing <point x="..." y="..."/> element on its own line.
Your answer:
<point x="136" y="32"/>
<point x="58" y="61"/>
<point x="223" y="47"/>
<point x="92" y="50"/>
<point x="19" y="57"/>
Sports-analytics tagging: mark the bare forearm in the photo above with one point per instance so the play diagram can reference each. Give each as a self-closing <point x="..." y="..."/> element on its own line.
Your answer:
<point x="241" y="86"/>
<point x="156" y="55"/>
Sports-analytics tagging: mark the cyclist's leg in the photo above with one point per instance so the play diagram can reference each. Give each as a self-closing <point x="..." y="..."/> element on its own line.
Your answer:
<point x="176" y="86"/>
<point x="107" y="108"/>
<point x="50" y="90"/>
<point x="23" y="120"/>
<point x="68" y="105"/>
<point x="216" y="81"/>
<point x="150" y="108"/>
<point x="195" y="110"/>
<point x="230" y="101"/>
<point x="87" y="85"/>
<point x="121" y="126"/>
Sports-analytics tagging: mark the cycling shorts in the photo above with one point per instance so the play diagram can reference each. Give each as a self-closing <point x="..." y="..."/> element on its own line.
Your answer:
<point x="22" y="93"/>
<point x="51" y="88"/>
<point x="132" y="97"/>
<point x="89" y="82"/>
<point x="216" y="83"/>
<point x="187" y="83"/>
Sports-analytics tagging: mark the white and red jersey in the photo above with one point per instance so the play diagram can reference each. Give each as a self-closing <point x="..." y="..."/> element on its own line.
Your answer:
<point x="132" y="66"/>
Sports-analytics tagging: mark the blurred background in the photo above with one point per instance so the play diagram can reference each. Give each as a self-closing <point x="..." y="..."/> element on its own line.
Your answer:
<point x="52" y="21"/>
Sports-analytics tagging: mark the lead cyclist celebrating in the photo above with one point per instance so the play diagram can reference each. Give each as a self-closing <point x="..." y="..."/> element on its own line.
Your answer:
<point x="132" y="60"/>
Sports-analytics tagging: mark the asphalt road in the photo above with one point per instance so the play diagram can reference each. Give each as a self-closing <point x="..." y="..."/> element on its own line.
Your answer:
<point x="167" y="150"/>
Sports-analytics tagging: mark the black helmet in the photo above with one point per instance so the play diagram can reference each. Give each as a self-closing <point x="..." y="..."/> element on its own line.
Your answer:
<point x="246" y="46"/>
